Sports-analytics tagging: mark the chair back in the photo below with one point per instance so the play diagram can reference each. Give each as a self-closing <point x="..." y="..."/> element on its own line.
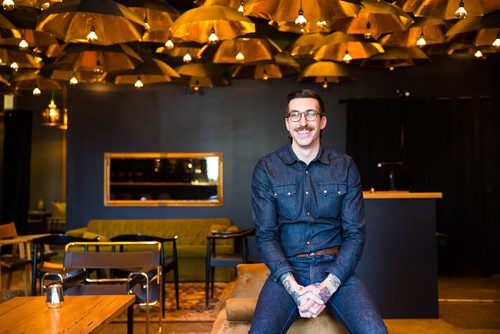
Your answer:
<point x="75" y="258"/>
<point x="8" y="231"/>
<point x="43" y="262"/>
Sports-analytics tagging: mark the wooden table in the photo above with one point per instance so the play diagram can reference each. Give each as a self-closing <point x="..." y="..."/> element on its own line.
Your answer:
<point x="79" y="314"/>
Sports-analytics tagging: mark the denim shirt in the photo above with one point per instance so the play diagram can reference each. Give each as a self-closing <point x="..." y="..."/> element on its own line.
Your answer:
<point x="299" y="208"/>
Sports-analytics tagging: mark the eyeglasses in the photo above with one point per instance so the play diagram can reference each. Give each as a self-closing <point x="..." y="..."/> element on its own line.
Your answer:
<point x="310" y="115"/>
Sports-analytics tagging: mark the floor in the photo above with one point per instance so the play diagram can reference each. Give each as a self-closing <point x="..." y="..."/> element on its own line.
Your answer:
<point x="467" y="305"/>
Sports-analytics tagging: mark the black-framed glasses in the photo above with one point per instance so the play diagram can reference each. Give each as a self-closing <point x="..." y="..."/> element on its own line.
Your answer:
<point x="310" y="115"/>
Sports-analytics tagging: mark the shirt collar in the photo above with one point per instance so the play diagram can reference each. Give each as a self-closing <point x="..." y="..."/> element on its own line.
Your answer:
<point x="290" y="156"/>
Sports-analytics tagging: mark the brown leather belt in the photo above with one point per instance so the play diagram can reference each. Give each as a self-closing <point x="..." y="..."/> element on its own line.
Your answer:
<point x="328" y="251"/>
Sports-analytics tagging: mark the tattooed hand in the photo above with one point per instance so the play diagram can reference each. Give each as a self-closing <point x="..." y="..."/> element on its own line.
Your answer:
<point x="293" y="288"/>
<point x="317" y="295"/>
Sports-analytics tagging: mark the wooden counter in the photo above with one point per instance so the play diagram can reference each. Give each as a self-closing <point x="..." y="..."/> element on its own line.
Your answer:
<point x="399" y="262"/>
<point x="397" y="194"/>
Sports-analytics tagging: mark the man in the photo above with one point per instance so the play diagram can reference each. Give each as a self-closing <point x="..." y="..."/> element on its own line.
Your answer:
<point x="310" y="228"/>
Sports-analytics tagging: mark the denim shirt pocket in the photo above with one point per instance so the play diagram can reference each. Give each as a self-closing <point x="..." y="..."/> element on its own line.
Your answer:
<point x="287" y="200"/>
<point x="329" y="198"/>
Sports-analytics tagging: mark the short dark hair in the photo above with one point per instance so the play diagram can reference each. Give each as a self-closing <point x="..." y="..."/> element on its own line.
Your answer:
<point x="306" y="93"/>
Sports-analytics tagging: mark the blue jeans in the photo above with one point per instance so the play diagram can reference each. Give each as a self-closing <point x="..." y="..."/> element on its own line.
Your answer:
<point x="350" y="304"/>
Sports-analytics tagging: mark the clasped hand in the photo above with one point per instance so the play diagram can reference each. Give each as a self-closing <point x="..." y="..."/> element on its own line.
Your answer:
<point x="310" y="299"/>
<point x="310" y="302"/>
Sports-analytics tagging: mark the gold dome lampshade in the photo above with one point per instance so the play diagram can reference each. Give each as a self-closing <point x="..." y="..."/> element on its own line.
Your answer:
<point x="326" y="72"/>
<point x="199" y="23"/>
<point x="102" y="22"/>
<point x="336" y="45"/>
<point x="253" y="49"/>
<point x="151" y="71"/>
<point x="374" y="19"/>
<point x="158" y="17"/>
<point x="280" y="67"/>
<point x="99" y="58"/>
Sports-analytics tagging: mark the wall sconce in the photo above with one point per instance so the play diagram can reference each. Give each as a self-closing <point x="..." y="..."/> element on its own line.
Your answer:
<point x="51" y="116"/>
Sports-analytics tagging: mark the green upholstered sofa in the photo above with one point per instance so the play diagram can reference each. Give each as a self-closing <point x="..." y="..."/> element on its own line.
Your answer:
<point x="191" y="242"/>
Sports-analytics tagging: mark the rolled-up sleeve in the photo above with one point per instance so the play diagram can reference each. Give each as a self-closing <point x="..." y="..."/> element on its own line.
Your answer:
<point x="266" y="223"/>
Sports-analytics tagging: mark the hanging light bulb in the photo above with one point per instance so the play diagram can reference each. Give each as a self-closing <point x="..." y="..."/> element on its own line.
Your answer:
<point x="45" y="5"/>
<point x="461" y="13"/>
<point x="196" y="86"/>
<point x="92" y="36"/>
<point x="138" y="84"/>
<point x="421" y="42"/>
<point x="265" y="76"/>
<point x="187" y="57"/>
<point x="213" y="38"/>
<point x="391" y="68"/>
<point x="240" y="57"/>
<point x="301" y="21"/>
<point x="368" y="34"/>
<point x="347" y="57"/>
<point x="496" y="42"/>
<point x="322" y="24"/>
<point x="23" y="44"/>
<point x="37" y="91"/>
<point x="169" y="44"/>
<point x="73" y="80"/>
<point x="8" y="4"/>
<point x="98" y="68"/>
<point x="241" y="9"/>
<point x="478" y="54"/>
<point x="325" y="84"/>
<point x="146" y="24"/>
<point x="14" y="66"/>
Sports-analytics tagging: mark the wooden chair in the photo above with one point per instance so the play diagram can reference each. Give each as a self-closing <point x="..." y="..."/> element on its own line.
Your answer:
<point x="15" y="259"/>
<point x="141" y="260"/>
<point x="167" y="263"/>
<point x="215" y="259"/>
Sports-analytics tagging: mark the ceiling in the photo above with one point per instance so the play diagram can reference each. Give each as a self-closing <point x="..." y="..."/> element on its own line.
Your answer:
<point x="257" y="39"/>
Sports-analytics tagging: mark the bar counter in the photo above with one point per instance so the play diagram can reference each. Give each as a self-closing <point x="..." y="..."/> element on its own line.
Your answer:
<point x="399" y="194"/>
<point x="399" y="262"/>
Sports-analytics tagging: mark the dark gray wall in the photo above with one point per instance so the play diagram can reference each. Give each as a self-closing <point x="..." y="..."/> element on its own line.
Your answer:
<point x="243" y="121"/>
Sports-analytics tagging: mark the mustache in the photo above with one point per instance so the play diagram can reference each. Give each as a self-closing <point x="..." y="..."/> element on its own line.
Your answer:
<point x="306" y="127"/>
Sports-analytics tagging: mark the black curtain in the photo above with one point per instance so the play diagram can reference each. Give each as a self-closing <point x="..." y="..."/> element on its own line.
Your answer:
<point x="446" y="145"/>
<point x="16" y="169"/>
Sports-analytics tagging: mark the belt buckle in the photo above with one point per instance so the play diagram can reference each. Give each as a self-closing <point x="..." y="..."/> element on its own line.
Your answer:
<point x="311" y="254"/>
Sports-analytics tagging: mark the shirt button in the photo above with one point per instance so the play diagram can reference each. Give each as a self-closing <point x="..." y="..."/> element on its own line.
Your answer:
<point x="325" y="191"/>
<point x="307" y="192"/>
<point x="308" y="213"/>
<point x="339" y="192"/>
<point x="289" y="193"/>
<point x="307" y="172"/>
<point x="308" y="243"/>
